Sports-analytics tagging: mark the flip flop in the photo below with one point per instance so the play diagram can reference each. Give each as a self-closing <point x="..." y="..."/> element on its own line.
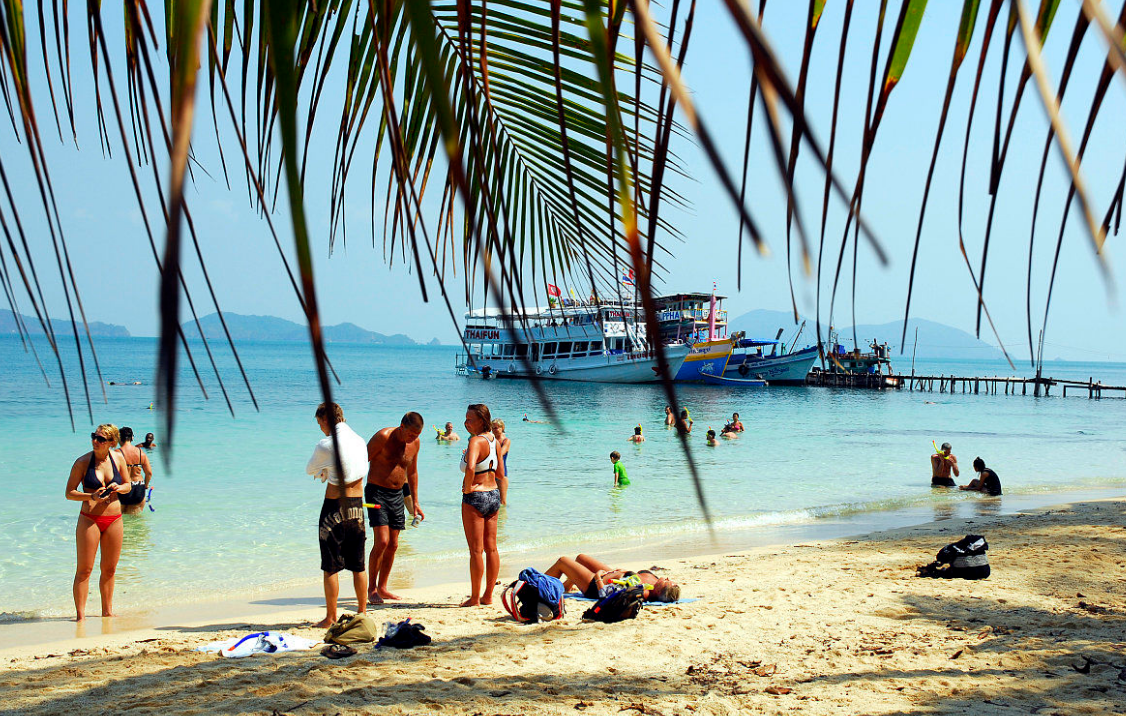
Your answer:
<point x="338" y="651"/>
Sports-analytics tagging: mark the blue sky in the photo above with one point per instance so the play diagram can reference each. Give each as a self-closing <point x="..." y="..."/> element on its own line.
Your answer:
<point x="117" y="275"/>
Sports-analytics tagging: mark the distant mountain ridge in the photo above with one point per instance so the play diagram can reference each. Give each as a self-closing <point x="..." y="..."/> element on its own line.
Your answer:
<point x="936" y="340"/>
<point x="272" y="328"/>
<point x="8" y="326"/>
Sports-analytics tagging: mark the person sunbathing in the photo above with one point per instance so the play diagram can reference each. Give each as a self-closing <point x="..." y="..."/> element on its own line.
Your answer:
<point x="591" y="576"/>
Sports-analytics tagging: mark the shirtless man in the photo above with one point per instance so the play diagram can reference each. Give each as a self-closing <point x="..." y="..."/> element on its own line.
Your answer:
<point x="942" y="464"/>
<point x="449" y="436"/>
<point x="392" y="463"/>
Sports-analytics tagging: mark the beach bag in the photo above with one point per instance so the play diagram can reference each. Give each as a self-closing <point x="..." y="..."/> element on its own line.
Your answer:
<point x="616" y="606"/>
<point x="352" y="629"/>
<point x="404" y="635"/>
<point x="534" y="597"/>
<point x="964" y="559"/>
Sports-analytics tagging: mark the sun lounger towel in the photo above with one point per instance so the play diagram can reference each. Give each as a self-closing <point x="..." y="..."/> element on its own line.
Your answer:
<point x="580" y="597"/>
<point x="260" y="642"/>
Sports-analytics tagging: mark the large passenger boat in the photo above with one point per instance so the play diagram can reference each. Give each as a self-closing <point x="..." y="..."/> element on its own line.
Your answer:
<point x="600" y="343"/>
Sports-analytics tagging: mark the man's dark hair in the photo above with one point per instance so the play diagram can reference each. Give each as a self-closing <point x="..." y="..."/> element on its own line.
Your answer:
<point x="979" y="464"/>
<point x="413" y="420"/>
<point x="322" y="412"/>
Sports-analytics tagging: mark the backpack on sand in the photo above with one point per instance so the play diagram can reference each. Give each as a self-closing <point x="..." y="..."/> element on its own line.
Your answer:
<point x="616" y="606"/>
<point x="352" y="629"/>
<point x="534" y="597"/>
<point x="964" y="559"/>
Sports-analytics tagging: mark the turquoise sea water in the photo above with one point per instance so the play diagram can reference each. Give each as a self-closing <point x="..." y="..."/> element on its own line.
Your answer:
<point x="236" y="514"/>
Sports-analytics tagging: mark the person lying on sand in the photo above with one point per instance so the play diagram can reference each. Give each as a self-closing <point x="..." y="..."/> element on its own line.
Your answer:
<point x="590" y="576"/>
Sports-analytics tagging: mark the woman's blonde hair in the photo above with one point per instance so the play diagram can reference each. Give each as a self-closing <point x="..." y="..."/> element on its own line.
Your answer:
<point x="110" y="431"/>
<point x="671" y="593"/>
<point x="498" y="423"/>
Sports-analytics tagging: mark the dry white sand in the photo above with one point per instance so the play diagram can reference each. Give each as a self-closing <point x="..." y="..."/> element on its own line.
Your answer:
<point x="840" y="627"/>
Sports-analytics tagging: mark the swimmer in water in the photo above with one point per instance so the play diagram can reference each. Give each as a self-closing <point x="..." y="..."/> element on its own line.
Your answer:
<point x="685" y="422"/>
<point x="670" y="419"/>
<point x="637" y="437"/>
<point x="150" y="439"/>
<point x="621" y="479"/>
<point x="711" y="438"/>
<point x="449" y="436"/>
<point x="528" y="420"/>
<point x="943" y="463"/>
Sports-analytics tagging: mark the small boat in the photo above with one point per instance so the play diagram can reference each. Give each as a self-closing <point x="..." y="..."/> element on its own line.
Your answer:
<point x="749" y="359"/>
<point x="734" y="382"/>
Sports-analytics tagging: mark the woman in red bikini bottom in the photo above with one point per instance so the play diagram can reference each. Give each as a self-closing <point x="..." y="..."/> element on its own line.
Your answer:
<point x="96" y="481"/>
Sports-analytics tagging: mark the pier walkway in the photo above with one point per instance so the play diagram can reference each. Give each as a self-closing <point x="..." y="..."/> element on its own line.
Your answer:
<point x="990" y="385"/>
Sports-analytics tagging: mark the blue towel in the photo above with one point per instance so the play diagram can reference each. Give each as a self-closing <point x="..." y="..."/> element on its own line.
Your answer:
<point x="582" y="598"/>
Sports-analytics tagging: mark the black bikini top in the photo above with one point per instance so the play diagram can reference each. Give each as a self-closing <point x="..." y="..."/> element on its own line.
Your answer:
<point x="90" y="480"/>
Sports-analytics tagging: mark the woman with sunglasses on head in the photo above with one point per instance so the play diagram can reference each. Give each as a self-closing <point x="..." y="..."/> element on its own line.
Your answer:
<point x="482" y="470"/>
<point x="97" y="479"/>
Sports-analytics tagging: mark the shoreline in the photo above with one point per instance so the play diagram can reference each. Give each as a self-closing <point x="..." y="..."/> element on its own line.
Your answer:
<point x="822" y="628"/>
<point x="449" y="575"/>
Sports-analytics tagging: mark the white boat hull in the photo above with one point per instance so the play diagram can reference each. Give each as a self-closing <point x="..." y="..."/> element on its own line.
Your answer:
<point x="614" y="368"/>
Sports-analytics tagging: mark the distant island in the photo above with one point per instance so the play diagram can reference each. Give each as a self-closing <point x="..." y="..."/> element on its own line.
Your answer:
<point x="8" y="326"/>
<point x="272" y="328"/>
<point x="936" y="340"/>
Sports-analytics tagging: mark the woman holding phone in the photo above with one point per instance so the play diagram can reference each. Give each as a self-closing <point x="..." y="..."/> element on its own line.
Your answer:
<point x="97" y="481"/>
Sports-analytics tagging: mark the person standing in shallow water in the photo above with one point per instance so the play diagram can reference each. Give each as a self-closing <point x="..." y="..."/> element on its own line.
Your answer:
<point x="503" y="445"/>
<point x="341" y="527"/>
<point x="481" y="469"/>
<point x="943" y="463"/>
<point x="97" y="480"/>
<point x="392" y="463"/>
<point x="140" y="473"/>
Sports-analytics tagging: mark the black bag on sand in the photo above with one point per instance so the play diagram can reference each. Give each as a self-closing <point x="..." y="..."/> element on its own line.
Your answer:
<point x="964" y="559"/>
<point x="616" y="606"/>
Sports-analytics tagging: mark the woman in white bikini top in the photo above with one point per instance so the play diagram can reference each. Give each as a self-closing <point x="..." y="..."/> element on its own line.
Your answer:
<point x="480" y="504"/>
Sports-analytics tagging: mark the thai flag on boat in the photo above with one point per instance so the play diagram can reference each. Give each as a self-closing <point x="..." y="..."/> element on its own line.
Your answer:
<point x="553" y="290"/>
<point x="627" y="277"/>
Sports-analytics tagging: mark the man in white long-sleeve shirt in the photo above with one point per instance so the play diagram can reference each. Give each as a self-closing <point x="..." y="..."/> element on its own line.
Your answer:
<point x="342" y="533"/>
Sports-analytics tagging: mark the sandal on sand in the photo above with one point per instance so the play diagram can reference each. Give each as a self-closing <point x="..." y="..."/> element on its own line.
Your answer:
<point x="337" y="651"/>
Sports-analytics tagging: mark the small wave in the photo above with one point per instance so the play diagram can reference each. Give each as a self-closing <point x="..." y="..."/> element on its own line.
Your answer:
<point x="9" y="617"/>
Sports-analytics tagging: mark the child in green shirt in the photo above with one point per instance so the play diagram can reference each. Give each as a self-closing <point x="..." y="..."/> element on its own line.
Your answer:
<point x="621" y="479"/>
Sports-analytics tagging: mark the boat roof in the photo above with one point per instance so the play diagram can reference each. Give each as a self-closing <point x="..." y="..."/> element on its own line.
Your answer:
<point x="754" y="342"/>
<point x="690" y="296"/>
<point x="543" y="311"/>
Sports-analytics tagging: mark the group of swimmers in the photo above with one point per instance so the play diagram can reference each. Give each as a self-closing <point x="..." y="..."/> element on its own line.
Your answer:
<point x="108" y="482"/>
<point x="944" y="463"/>
<point x="684" y="422"/>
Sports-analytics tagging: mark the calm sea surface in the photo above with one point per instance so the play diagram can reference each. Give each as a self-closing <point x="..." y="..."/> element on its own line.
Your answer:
<point x="235" y="513"/>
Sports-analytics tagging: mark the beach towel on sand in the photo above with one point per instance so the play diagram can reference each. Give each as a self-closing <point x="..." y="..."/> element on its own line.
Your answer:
<point x="260" y="642"/>
<point x="580" y="597"/>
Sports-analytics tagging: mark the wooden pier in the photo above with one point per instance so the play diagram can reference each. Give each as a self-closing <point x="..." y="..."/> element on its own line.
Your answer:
<point x="989" y="385"/>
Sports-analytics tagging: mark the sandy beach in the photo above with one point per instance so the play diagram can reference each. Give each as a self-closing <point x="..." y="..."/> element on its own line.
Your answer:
<point x="841" y="627"/>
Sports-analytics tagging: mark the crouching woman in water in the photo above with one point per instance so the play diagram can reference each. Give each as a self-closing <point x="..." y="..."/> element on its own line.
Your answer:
<point x="589" y="575"/>
<point x="482" y="470"/>
<point x="97" y="481"/>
